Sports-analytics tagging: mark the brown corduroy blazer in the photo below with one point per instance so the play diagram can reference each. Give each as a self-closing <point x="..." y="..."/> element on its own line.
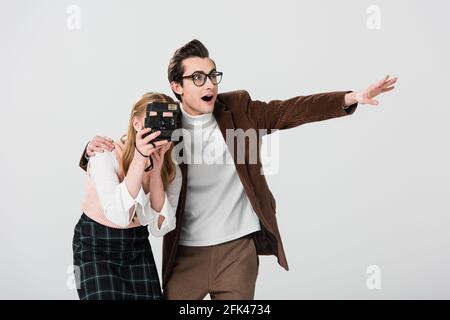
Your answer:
<point x="236" y="110"/>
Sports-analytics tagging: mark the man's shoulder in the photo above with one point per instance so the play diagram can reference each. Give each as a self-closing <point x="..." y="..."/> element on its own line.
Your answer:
<point x="233" y="98"/>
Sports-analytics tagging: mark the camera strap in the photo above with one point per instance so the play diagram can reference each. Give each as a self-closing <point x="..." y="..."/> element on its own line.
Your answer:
<point x="150" y="167"/>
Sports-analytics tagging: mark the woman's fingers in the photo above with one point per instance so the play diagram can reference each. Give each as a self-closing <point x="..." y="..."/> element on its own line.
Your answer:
<point x="157" y="153"/>
<point x="151" y="137"/>
<point x="162" y="150"/>
<point x="140" y="133"/>
<point x="149" y="148"/>
<point x="160" y="143"/>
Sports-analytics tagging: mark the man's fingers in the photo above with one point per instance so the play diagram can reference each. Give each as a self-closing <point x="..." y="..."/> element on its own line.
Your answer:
<point x="388" y="89"/>
<point x="373" y="102"/>
<point x="383" y="82"/>
<point x="389" y="83"/>
<point x="109" y="145"/>
<point x="104" y="146"/>
<point x="97" y="140"/>
<point x="102" y="138"/>
<point x="96" y="149"/>
<point x="103" y="142"/>
<point x="379" y="83"/>
<point x="90" y="154"/>
<point x="90" y="151"/>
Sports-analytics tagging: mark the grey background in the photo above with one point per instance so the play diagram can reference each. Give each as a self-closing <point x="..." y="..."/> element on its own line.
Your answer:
<point x="370" y="189"/>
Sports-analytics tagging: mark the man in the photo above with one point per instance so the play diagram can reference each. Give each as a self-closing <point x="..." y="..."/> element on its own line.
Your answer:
<point x="226" y="214"/>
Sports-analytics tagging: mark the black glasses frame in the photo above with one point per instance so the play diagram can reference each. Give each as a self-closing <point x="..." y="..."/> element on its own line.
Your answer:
<point x="209" y="75"/>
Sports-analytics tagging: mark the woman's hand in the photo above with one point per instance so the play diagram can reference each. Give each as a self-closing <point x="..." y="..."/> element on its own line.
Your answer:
<point x="144" y="147"/>
<point x="133" y="178"/>
<point x="156" y="186"/>
<point x="158" y="158"/>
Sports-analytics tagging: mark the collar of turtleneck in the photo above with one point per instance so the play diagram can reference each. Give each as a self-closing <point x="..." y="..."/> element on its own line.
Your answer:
<point x="192" y="121"/>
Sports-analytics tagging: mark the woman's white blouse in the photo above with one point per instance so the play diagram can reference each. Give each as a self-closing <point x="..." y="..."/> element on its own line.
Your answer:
<point x="120" y="207"/>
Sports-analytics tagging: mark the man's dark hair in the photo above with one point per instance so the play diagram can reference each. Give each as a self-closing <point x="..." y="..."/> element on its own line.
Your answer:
<point x="191" y="49"/>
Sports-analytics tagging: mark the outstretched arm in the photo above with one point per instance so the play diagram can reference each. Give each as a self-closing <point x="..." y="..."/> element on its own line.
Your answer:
<point x="285" y="114"/>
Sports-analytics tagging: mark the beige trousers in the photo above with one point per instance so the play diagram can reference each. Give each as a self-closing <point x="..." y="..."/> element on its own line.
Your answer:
<point x="226" y="271"/>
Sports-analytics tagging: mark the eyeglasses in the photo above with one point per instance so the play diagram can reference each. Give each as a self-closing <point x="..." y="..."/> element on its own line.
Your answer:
<point x="199" y="78"/>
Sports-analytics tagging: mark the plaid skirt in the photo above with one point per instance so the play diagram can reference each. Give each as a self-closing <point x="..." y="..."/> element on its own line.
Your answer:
<point x="113" y="263"/>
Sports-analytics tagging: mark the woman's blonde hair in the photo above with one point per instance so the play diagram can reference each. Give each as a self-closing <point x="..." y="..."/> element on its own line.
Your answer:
<point x="138" y="110"/>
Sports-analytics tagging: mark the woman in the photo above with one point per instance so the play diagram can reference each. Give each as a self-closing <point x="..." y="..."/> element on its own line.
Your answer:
<point x="112" y="254"/>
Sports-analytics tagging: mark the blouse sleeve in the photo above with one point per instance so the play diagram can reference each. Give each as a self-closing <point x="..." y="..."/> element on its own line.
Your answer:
<point x="147" y="215"/>
<point x="118" y="205"/>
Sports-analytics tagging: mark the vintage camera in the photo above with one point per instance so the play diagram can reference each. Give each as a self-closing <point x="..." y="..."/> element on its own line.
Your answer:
<point x="164" y="117"/>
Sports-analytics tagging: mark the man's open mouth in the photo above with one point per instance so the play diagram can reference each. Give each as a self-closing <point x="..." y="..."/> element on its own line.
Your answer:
<point x="207" y="97"/>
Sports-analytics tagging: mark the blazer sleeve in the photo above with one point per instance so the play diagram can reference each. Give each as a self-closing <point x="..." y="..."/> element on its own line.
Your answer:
<point x="285" y="114"/>
<point x="83" y="160"/>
